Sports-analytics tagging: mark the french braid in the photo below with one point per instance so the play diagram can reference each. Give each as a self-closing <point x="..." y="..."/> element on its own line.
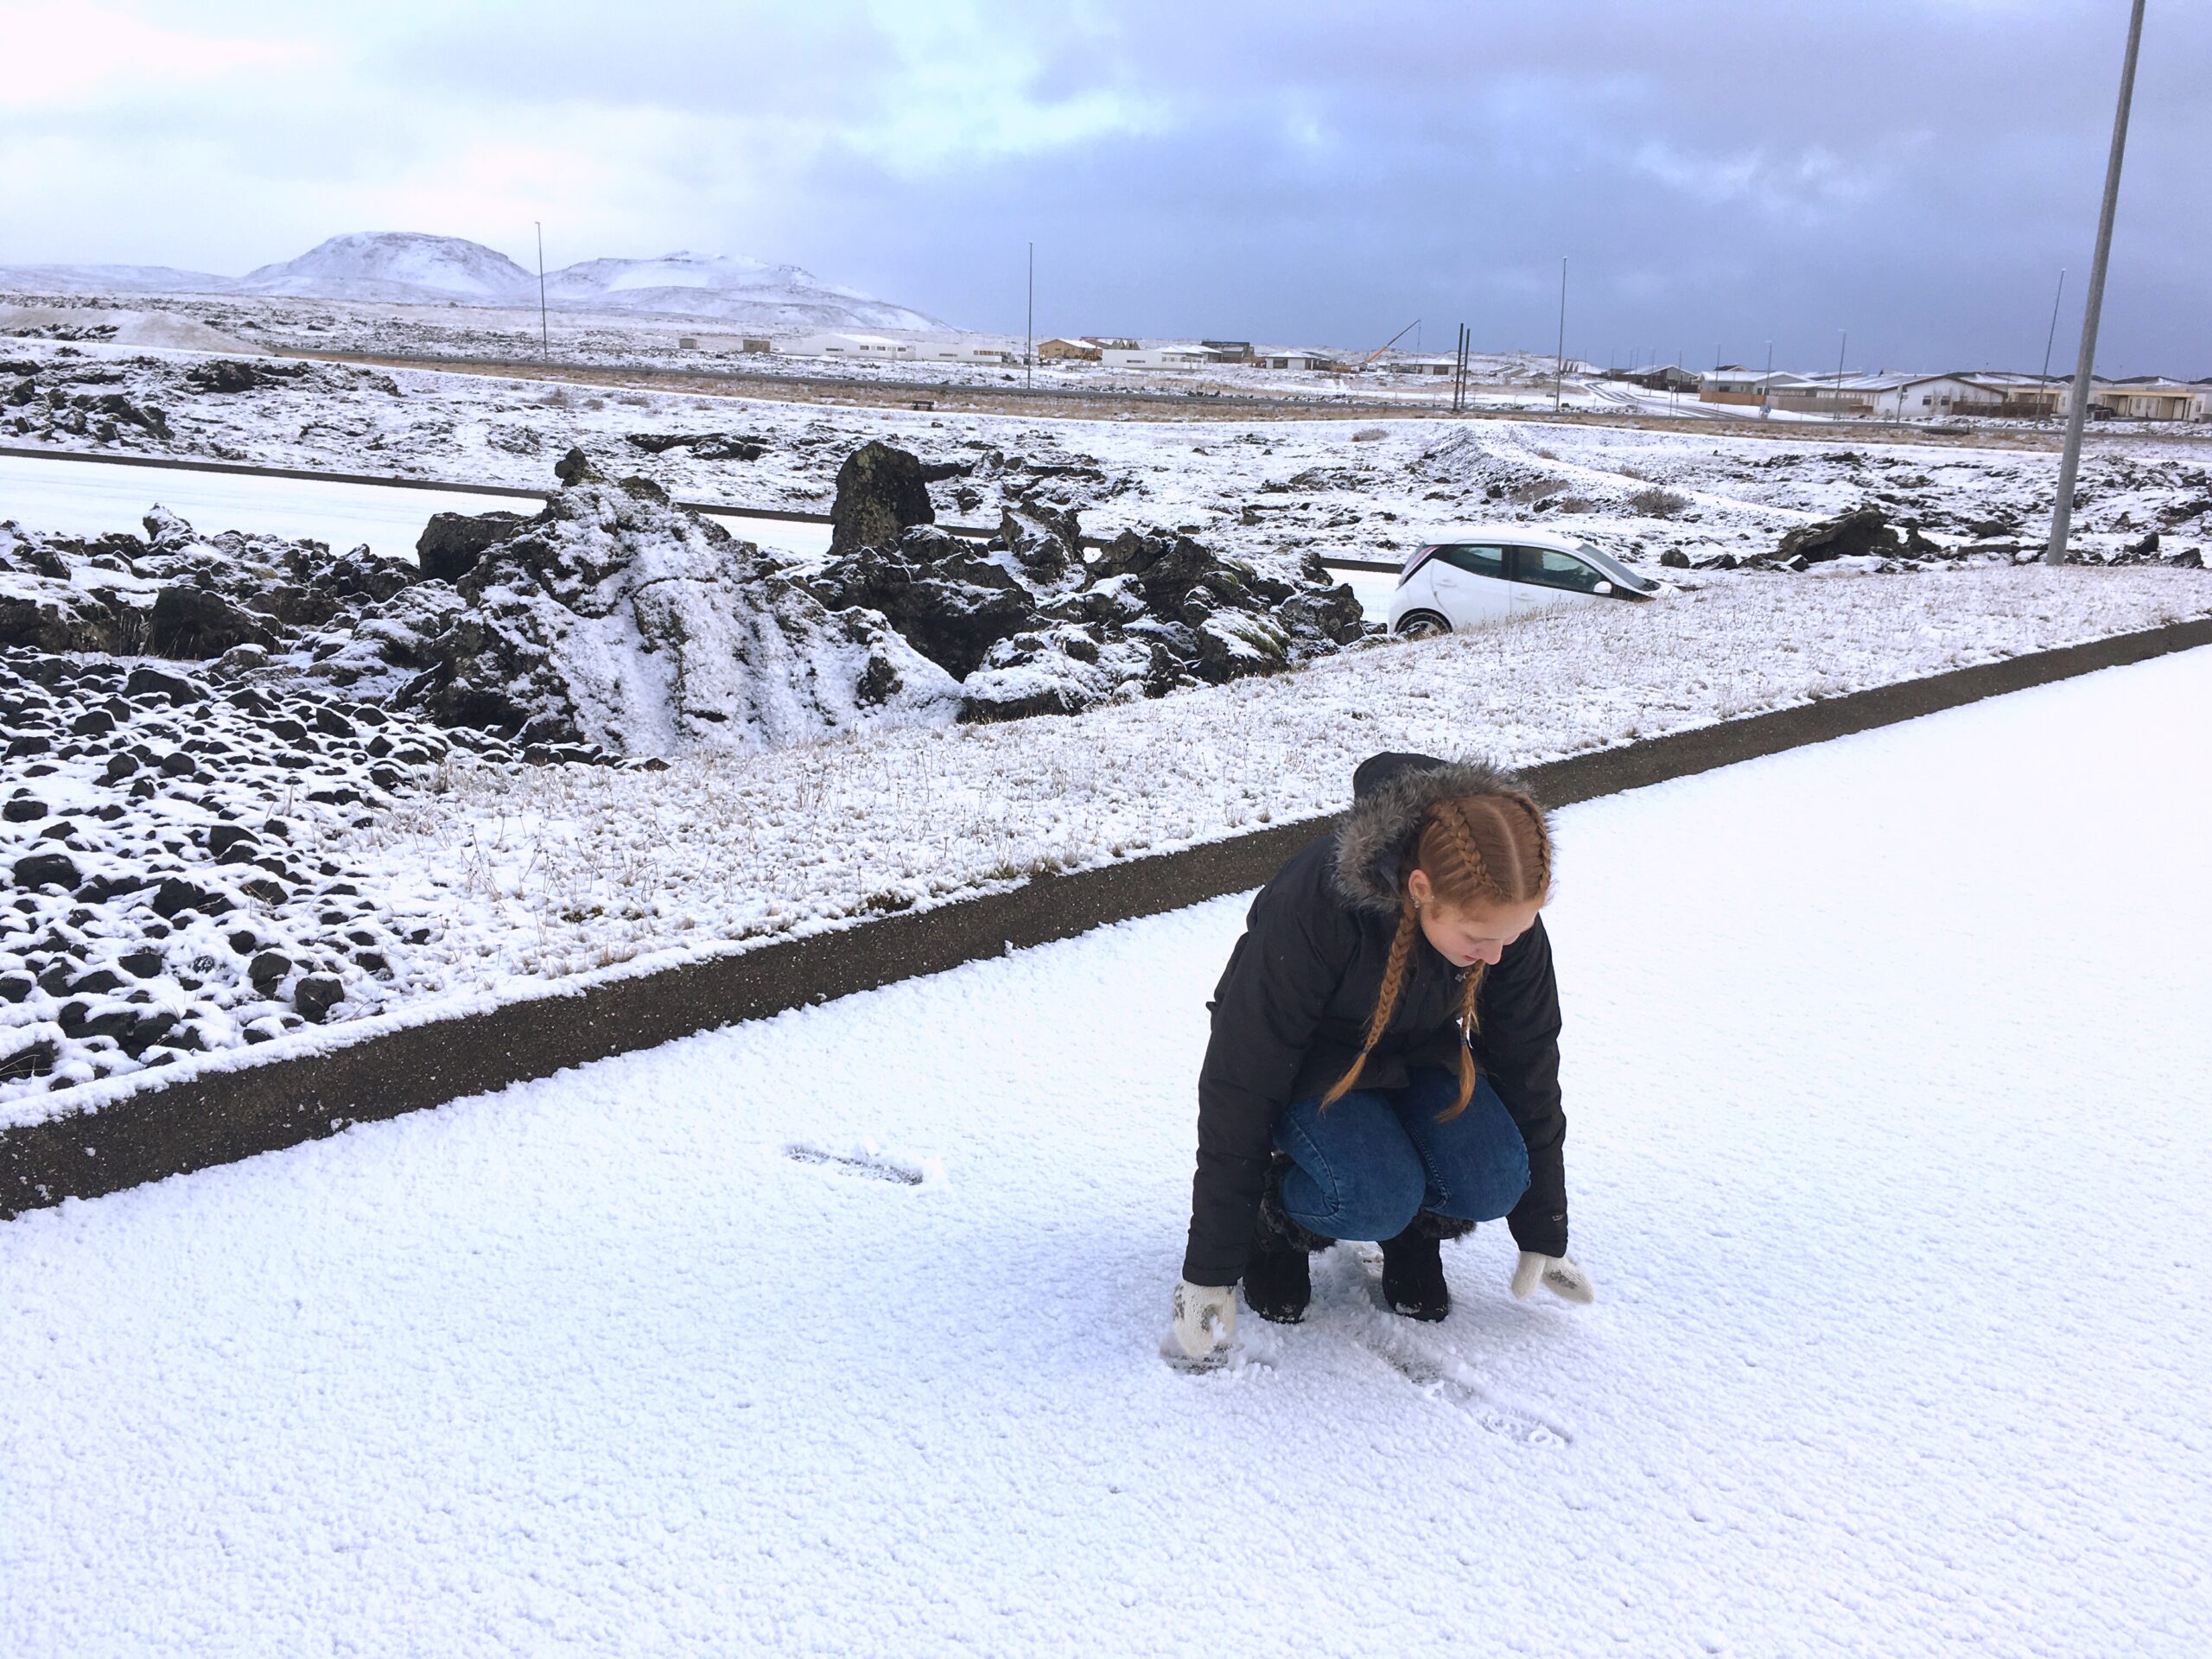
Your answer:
<point x="1489" y="849"/>
<point x="1386" y="1000"/>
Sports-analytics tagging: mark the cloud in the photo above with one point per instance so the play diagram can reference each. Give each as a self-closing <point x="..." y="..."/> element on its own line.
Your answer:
<point x="66" y="56"/>
<point x="1726" y="171"/>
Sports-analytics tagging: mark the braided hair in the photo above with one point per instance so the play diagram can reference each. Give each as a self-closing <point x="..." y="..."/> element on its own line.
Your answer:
<point x="1478" y="850"/>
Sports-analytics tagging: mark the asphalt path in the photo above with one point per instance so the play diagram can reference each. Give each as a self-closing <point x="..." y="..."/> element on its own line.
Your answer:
<point x="75" y="497"/>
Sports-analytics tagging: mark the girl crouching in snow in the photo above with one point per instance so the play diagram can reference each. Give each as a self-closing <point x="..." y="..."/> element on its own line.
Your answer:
<point x="1384" y="1061"/>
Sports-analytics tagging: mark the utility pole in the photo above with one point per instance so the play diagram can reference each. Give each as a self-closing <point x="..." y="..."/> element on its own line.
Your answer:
<point x="2049" y="339"/>
<point x="1766" y="386"/>
<point x="545" y="340"/>
<point x="2069" y="461"/>
<point x="1029" y="357"/>
<point x="1559" y="365"/>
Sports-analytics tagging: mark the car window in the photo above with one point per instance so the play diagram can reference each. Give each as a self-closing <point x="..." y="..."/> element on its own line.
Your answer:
<point x="1547" y="566"/>
<point x="1476" y="561"/>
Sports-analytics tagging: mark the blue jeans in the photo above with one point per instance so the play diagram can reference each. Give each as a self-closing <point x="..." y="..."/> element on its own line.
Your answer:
<point x="1366" y="1166"/>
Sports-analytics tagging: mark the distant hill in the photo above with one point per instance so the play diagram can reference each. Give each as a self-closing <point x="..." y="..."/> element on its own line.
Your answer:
<point x="401" y="266"/>
<point x="734" y="290"/>
<point x="111" y="279"/>
<point x="409" y="268"/>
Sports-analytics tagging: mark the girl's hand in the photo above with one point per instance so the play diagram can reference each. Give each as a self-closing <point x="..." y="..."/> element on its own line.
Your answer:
<point x="1557" y="1274"/>
<point x="1205" y="1317"/>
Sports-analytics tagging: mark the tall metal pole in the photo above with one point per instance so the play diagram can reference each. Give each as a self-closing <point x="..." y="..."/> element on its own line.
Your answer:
<point x="1766" y="386"/>
<point x="1559" y="365"/>
<point x="2069" y="461"/>
<point x="545" y="339"/>
<point x="1029" y="357"/>
<point x="2049" y="339"/>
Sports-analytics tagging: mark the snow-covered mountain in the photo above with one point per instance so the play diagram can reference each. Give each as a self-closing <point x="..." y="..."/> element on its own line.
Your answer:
<point x="741" y="290"/>
<point x="401" y="266"/>
<point x="408" y="268"/>
<point x="111" y="279"/>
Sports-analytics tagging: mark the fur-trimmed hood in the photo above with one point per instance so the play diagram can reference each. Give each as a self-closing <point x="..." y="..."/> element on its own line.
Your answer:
<point x="1389" y="794"/>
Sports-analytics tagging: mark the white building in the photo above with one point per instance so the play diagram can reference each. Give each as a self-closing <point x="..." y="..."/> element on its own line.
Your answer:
<point x="1734" y="384"/>
<point x="953" y="351"/>
<point x="1160" y="357"/>
<point x="1300" y="358"/>
<point x="1420" y="363"/>
<point x="875" y="348"/>
<point x="2146" y="397"/>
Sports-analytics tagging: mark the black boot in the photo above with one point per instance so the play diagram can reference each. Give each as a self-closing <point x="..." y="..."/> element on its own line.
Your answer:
<point x="1278" y="1281"/>
<point x="1413" y="1267"/>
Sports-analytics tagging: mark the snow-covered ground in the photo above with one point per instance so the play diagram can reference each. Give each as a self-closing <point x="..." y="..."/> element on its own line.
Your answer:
<point x="839" y="1332"/>
<point x="1246" y="486"/>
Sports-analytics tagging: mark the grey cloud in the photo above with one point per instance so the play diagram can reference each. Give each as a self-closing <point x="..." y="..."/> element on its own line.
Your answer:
<point x="1718" y="172"/>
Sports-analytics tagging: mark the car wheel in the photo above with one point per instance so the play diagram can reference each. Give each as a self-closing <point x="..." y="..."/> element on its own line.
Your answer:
<point x="1422" y="625"/>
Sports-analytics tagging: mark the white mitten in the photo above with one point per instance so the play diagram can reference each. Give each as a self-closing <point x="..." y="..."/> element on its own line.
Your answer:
<point x="1206" y="1318"/>
<point x="1557" y="1274"/>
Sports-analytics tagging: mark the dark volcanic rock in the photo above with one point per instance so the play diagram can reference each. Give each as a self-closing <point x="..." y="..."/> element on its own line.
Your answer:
<point x="881" y="493"/>
<point x="45" y="869"/>
<point x="951" y="599"/>
<point x="200" y="623"/>
<point x="223" y="374"/>
<point x="1861" y="532"/>
<point x="703" y="446"/>
<point x="315" y="995"/>
<point x="451" y="543"/>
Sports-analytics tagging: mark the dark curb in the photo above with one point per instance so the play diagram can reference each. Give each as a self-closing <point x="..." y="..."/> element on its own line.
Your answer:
<point x="218" y="1117"/>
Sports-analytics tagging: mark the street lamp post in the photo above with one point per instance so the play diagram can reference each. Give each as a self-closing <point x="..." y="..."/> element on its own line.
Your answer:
<point x="2051" y="338"/>
<point x="2069" y="461"/>
<point x="1558" y="364"/>
<point x="545" y="339"/>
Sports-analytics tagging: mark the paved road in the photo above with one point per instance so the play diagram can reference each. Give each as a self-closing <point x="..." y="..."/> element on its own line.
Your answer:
<point x="90" y="497"/>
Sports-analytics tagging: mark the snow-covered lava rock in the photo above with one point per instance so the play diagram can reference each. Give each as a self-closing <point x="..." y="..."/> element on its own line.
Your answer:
<point x="165" y="894"/>
<point x="617" y="619"/>
<point x="1032" y="622"/>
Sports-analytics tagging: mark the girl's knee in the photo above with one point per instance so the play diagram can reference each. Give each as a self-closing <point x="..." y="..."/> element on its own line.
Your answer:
<point x="1384" y="1200"/>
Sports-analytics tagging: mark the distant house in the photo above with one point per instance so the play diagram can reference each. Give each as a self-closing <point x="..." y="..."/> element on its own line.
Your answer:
<point x="1229" y="351"/>
<point x="1420" y="363"/>
<point x="739" y="343"/>
<point x="2145" y="397"/>
<point x="2027" y="397"/>
<point x="1068" y="351"/>
<point x="1300" y="358"/>
<point x="962" y="352"/>
<point x="2200" y="401"/>
<point x="1932" y="397"/>
<point x="1734" y="384"/>
<point x="1660" y="377"/>
<point x="867" y="347"/>
<point x="1159" y="357"/>
<point x="1888" y="395"/>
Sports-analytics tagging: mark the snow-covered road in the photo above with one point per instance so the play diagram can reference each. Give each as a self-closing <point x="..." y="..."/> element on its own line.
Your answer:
<point x="88" y="498"/>
<point x="838" y="1333"/>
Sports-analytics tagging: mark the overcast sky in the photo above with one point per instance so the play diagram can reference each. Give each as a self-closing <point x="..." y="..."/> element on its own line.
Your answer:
<point x="1717" y="173"/>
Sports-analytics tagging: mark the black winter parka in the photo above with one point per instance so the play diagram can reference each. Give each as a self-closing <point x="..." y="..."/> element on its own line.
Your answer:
<point x="1294" y="1001"/>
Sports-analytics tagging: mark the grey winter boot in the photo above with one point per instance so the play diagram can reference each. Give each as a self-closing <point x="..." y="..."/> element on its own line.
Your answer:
<point x="1278" y="1281"/>
<point x="1413" y="1267"/>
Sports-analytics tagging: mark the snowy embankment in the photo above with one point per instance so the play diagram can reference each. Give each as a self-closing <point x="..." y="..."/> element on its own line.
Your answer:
<point x="490" y="879"/>
<point x="839" y="1332"/>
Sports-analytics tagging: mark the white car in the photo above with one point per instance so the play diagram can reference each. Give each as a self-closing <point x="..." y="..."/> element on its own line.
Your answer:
<point x="1467" y="574"/>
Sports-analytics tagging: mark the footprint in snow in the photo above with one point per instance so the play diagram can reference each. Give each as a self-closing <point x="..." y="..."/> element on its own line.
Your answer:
<point x="870" y="1161"/>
